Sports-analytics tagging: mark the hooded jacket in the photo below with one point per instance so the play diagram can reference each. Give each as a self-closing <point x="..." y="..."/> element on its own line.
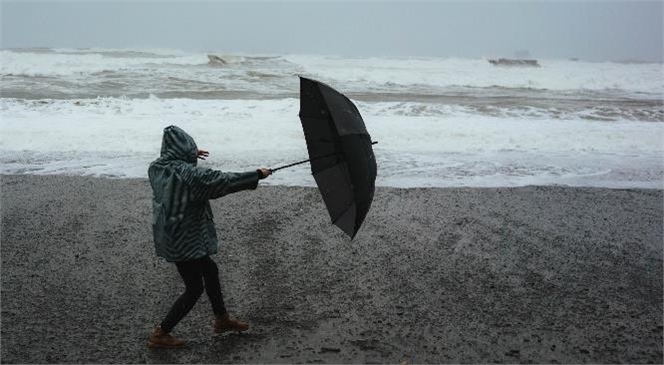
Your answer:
<point x="182" y="223"/>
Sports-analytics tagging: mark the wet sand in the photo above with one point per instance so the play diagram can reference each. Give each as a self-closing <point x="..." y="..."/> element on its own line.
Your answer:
<point x="533" y="274"/>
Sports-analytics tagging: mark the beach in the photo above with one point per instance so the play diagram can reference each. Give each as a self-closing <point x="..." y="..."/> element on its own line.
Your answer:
<point x="533" y="274"/>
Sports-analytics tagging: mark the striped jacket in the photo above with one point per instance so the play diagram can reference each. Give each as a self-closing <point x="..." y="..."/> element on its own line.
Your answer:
<point x="182" y="223"/>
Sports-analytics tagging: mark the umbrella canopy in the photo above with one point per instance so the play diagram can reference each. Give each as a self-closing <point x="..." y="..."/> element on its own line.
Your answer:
<point x="342" y="159"/>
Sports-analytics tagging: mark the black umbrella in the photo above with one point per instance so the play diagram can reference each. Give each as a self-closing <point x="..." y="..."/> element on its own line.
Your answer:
<point x="340" y="152"/>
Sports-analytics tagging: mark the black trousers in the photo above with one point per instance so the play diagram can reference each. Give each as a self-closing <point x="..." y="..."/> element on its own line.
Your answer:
<point x="198" y="275"/>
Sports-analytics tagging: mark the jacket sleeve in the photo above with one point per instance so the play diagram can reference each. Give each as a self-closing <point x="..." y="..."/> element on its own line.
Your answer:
<point x="207" y="184"/>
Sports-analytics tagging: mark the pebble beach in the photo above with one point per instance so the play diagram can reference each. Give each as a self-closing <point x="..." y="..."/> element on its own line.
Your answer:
<point x="435" y="275"/>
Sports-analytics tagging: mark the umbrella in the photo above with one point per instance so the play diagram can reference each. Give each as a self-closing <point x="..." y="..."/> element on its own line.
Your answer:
<point x="340" y="152"/>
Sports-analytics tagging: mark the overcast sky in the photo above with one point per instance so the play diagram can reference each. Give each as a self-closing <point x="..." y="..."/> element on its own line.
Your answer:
<point x="591" y="30"/>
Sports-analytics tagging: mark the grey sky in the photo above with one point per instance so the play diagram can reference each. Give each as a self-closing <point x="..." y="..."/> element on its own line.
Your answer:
<point x="596" y="30"/>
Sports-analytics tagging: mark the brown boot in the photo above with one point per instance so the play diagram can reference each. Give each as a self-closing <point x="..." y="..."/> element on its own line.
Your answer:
<point x="162" y="339"/>
<point x="223" y="324"/>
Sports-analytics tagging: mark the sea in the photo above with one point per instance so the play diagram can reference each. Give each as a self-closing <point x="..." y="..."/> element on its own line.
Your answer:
<point x="439" y="122"/>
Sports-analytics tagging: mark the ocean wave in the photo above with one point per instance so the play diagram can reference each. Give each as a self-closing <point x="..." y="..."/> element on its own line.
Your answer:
<point x="407" y="126"/>
<point x="417" y="87"/>
<point x="440" y="73"/>
<point x="118" y="138"/>
<point x="83" y="64"/>
<point x="421" y="144"/>
<point x="358" y="75"/>
<point x="419" y="106"/>
<point x="510" y="109"/>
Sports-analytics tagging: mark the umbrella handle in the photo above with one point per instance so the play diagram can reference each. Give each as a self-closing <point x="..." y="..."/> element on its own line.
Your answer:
<point x="305" y="161"/>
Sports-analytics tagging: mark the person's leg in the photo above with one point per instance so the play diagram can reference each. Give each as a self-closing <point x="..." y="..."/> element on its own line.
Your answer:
<point x="212" y="285"/>
<point x="191" y="275"/>
<point x="190" y="271"/>
<point x="223" y="323"/>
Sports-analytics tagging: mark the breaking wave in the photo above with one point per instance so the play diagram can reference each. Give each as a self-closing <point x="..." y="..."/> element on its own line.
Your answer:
<point x="440" y="121"/>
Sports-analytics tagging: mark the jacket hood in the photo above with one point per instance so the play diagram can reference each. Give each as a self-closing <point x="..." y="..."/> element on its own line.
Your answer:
<point x="178" y="145"/>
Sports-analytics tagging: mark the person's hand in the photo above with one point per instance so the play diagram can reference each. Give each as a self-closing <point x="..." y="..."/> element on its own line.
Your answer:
<point x="202" y="154"/>
<point x="264" y="172"/>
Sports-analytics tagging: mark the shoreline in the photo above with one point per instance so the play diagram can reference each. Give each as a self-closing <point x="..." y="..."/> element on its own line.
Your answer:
<point x="435" y="275"/>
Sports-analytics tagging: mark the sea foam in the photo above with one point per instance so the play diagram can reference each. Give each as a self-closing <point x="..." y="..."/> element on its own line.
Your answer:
<point x="119" y="137"/>
<point x="438" y="121"/>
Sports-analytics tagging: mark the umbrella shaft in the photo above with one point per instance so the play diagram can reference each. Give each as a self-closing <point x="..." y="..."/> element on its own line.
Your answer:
<point x="291" y="165"/>
<point x="305" y="161"/>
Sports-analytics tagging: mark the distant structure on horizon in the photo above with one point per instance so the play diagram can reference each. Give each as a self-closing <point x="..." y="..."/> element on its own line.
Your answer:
<point x="514" y="62"/>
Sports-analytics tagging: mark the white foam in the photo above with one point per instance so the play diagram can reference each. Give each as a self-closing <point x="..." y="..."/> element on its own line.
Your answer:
<point x="85" y="63"/>
<point x="462" y="131"/>
<point x="438" y="73"/>
<point x="119" y="137"/>
<point x="362" y="75"/>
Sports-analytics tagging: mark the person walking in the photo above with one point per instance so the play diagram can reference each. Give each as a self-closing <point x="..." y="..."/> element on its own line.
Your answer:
<point x="184" y="231"/>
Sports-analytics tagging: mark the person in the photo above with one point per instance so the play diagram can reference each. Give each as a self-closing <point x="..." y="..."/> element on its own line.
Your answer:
<point x="183" y="230"/>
